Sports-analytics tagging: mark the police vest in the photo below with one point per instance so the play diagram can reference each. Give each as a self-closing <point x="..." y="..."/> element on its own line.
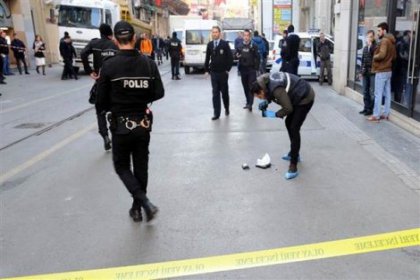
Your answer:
<point x="248" y="57"/>
<point x="297" y="89"/>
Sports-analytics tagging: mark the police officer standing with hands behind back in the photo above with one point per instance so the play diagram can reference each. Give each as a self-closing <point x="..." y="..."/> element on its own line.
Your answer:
<point x="100" y="48"/>
<point x="219" y="60"/>
<point x="127" y="82"/>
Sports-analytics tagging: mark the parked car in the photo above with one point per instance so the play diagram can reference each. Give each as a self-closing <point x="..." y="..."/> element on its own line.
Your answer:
<point x="309" y="61"/>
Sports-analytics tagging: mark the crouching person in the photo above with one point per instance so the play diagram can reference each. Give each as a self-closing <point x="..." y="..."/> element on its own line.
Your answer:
<point x="296" y="97"/>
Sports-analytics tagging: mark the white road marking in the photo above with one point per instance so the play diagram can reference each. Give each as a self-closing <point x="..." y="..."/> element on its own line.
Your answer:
<point x="41" y="156"/>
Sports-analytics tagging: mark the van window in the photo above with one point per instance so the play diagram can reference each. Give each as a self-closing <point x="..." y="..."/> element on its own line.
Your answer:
<point x="305" y="45"/>
<point x="197" y="37"/>
<point x="108" y="17"/>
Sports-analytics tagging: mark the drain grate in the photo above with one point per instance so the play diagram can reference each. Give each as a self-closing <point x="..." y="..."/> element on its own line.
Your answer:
<point x="30" y="125"/>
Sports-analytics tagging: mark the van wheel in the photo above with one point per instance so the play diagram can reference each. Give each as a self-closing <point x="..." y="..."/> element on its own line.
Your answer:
<point x="187" y="69"/>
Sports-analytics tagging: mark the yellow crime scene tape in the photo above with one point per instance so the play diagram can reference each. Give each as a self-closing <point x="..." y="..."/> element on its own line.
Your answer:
<point x="329" y="249"/>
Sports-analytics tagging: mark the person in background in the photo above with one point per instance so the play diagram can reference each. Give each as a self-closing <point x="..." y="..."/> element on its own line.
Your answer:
<point x="324" y="50"/>
<point x="258" y="41"/>
<point x="368" y="78"/>
<point x="282" y="45"/>
<point x="39" y="49"/>
<point x="68" y="52"/>
<point x="146" y="46"/>
<point x="19" y="51"/>
<point x="384" y="55"/>
<point x="158" y="46"/>
<point x="239" y="40"/>
<point x="290" y="62"/>
<point x="4" y="52"/>
<point x="175" y="51"/>
<point x="266" y="53"/>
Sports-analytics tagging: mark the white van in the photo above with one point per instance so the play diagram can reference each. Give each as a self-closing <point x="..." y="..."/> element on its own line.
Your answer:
<point x="309" y="61"/>
<point x="197" y="36"/>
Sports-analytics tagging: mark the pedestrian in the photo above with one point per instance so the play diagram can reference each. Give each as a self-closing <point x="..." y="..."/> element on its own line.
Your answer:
<point x="368" y="77"/>
<point x="4" y="52"/>
<point x="267" y="51"/>
<point x="290" y="62"/>
<point x="39" y="49"/>
<point x="249" y="63"/>
<point x="219" y="60"/>
<point x="19" y="51"/>
<point x="68" y="52"/>
<point x="282" y="43"/>
<point x="158" y="46"/>
<point x="400" y="67"/>
<point x="128" y="82"/>
<point x="258" y="41"/>
<point x="384" y="55"/>
<point x="175" y="51"/>
<point x="239" y="40"/>
<point x="324" y="50"/>
<point x="296" y="97"/>
<point x="101" y="49"/>
<point x="167" y="44"/>
<point x="2" y="78"/>
<point x="146" y="46"/>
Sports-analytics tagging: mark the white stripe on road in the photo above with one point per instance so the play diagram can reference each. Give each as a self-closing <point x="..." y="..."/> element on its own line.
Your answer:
<point x="9" y="174"/>
<point x="42" y="99"/>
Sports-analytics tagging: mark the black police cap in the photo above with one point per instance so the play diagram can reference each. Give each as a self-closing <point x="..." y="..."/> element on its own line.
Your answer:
<point x="123" y="29"/>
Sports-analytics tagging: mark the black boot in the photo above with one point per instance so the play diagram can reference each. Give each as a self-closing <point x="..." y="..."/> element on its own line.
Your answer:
<point x="150" y="210"/>
<point x="107" y="143"/>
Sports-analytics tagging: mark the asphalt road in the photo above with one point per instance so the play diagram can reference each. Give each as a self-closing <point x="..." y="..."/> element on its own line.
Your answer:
<point x="63" y="208"/>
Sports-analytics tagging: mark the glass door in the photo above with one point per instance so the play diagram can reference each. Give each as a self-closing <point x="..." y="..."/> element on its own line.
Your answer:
<point x="405" y="72"/>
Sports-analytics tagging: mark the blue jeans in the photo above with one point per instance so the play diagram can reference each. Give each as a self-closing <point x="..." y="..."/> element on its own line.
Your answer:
<point x="382" y="88"/>
<point x="368" y="90"/>
<point x="6" y="69"/>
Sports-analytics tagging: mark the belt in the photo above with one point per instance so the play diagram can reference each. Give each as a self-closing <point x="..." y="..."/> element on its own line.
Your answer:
<point x="132" y="124"/>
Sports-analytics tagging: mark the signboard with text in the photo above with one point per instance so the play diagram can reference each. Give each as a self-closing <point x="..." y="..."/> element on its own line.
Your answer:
<point x="282" y="15"/>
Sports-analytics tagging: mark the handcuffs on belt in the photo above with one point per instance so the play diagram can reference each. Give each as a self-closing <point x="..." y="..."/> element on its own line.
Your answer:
<point x="145" y="122"/>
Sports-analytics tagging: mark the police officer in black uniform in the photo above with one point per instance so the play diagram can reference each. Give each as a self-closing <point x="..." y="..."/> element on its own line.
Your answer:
<point x="219" y="60"/>
<point x="127" y="83"/>
<point x="100" y="48"/>
<point x="249" y="63"/>
<point x="296" y="98"/>
<point x="175" y="51"/>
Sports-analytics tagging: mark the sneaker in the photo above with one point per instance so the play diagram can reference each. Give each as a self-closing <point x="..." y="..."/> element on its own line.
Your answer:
<point x="290" y="175"/>
<point x="362" y="112"/>
<point x="135" y="214"/>
<point x="373" y="119"/>
<point x="383" y="117"/>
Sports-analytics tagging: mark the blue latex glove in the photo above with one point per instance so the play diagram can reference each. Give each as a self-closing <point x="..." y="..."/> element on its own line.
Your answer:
<point x="269" y="114"/>
<point x="263" y="105"/>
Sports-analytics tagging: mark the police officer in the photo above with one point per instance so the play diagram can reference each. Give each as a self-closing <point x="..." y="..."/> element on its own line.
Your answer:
<point x="219" y="60"/>
<point x="127" y="82"/>
<point x="175" y="51"/>
<point x="100" y="48"/>
<point x="249" y="63"/>
<point x="296" y="98"/>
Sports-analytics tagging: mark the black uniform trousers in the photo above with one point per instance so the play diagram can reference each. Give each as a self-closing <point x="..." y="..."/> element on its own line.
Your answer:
<point x="19" y="59"/>
<point x="68" y="70"/>
<point x="102" y="124"/>
<point x="219" y="83"/>
<point x="290" y="66"/>
<point x="128" y="150"/>
<point x="248" y="76"/>
<point x="175" y="66"/>
<point x="294" y="122"/>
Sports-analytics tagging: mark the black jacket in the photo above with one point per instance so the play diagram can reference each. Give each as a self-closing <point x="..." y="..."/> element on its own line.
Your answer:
<point x="18" y="48"/>
<point x="324" y="50"/>
<point x="40" y="52"/>
<point x="100" y="48"/>
<point x="367" y="58"/>
<point x="67" y="51"/>
<point x="220" y="59"/>
<point x="128" y="82"/>
<point x="4" y="47"/>
<point x="292" y="47"/>
<point x="175" y="48"/>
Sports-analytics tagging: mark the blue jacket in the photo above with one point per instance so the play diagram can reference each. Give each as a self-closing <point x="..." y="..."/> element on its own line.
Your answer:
<point x="260" y="43"/>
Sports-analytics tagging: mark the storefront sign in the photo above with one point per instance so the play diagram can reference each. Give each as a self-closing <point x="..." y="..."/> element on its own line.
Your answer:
<point x="282" y="15"/>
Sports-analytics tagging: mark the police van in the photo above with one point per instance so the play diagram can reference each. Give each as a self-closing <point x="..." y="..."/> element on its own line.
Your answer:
<point x="197" y="36"/>
<point x="309" y="66"/>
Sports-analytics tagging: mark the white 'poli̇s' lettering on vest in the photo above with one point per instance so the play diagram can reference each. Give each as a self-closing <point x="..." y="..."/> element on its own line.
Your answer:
<point x="136" y="84"/>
